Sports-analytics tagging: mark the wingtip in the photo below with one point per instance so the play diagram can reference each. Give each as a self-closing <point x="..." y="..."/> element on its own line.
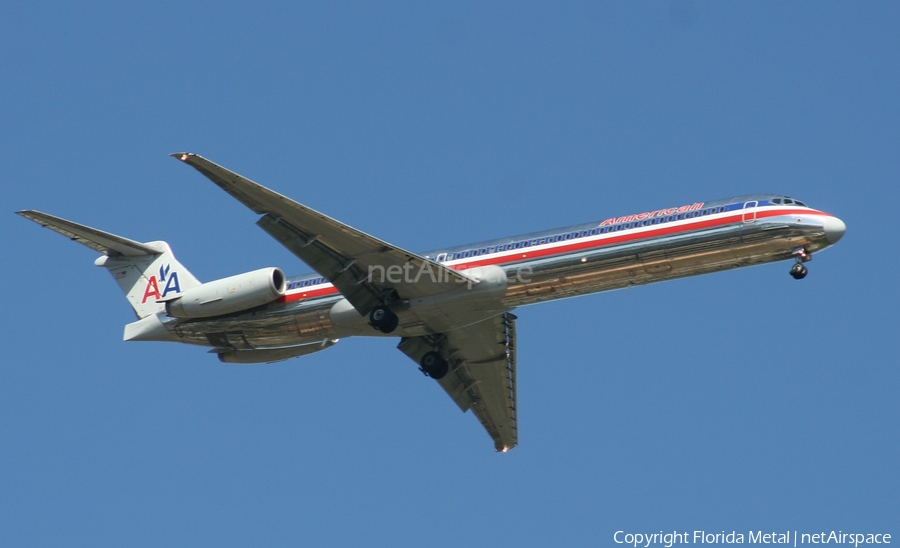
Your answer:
<point x="183" y="156"/>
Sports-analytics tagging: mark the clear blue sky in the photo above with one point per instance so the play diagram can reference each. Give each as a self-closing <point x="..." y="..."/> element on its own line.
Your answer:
<point x="736" y="401"/>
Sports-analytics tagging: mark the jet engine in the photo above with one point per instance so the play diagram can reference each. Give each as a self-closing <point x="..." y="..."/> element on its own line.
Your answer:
<point x="229" y="295"/>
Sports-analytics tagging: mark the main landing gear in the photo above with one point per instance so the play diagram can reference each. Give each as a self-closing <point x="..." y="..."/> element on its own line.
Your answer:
<point x="799" y="271"/>
<point x="383" y="319"/>
<point x="434" y="365"/>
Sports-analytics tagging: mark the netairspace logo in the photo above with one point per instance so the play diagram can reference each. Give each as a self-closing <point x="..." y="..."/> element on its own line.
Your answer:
<point x="795" y="538"/>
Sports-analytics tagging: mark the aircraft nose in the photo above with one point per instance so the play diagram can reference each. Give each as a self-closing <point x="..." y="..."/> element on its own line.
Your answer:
<point x="834" y="229"/>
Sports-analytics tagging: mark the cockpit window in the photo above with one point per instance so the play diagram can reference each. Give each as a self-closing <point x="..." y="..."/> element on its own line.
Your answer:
<point x="799" y="203"/>
<point x="788" y="201"/>
<point x="776" y="200"/>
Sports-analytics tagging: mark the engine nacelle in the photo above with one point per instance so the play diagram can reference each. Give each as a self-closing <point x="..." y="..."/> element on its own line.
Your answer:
<point x="229" y="295"/>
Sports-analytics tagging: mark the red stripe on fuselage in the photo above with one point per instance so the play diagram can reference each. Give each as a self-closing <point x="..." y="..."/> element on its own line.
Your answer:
<point x="594" y="242"/>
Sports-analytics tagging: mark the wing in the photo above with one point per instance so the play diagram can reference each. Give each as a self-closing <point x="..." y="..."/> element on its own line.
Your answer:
<point x="355" y="262"/>
<point x="482" y="374"/>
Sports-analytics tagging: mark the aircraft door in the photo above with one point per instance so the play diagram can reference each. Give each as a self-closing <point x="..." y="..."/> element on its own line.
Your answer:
<point x="749" y="215"/>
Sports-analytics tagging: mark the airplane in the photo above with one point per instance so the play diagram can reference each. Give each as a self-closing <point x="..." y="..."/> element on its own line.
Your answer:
<point x="452" y="307"/>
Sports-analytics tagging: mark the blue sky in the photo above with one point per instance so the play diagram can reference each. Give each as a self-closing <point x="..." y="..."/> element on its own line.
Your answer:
<point x="736" y="401"/>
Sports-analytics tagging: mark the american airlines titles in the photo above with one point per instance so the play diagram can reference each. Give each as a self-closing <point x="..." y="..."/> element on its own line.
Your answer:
<point x="651" y="214"/>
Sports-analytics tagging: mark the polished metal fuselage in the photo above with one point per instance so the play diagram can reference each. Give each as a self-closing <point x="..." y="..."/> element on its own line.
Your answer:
<point x="745" y="241"/>
<point x="666" y="258"/>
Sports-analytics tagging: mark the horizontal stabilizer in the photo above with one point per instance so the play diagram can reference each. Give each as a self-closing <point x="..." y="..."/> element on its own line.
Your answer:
<point x="103" y="242"/>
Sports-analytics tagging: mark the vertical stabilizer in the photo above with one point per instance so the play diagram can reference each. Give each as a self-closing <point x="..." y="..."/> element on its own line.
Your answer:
<point x="149" y="280"/>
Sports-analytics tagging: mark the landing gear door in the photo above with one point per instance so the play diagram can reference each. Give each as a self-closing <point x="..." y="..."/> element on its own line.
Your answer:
<point x="749" y="215"/>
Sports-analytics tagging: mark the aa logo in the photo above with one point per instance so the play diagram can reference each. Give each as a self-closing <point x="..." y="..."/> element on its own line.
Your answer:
<point x="169" y="281"/>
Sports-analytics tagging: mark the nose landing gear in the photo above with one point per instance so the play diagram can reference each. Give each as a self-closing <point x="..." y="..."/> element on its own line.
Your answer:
<point x="799" y="271"/>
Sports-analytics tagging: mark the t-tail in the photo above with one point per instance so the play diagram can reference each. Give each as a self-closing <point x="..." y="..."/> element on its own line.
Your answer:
<point x="147" y="273"/>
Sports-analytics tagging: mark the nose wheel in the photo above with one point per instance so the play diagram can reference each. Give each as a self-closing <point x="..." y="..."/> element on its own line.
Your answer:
<point x="798" y="271"/>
